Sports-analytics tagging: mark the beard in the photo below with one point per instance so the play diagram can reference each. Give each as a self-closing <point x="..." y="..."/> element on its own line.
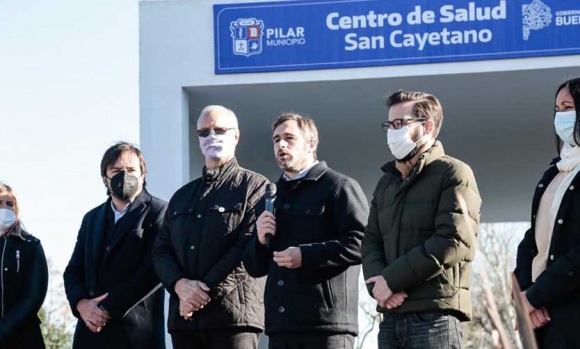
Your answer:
<point x="287" y="164"/>
<point x="291" y="164"/>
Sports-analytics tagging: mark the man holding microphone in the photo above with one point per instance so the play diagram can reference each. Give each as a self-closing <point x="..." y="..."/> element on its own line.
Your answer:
<point x="310" y="246"/>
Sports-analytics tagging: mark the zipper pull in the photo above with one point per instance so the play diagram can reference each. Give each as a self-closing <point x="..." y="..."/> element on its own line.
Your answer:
<point x="17" y="261"/>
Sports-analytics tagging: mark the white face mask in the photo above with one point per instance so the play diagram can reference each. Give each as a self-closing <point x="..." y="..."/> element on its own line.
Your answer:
<point x="400" y="142"/>
<point x="216" y="146"/>
<point x="7" y="219"/>
<point x="564" y="125"/>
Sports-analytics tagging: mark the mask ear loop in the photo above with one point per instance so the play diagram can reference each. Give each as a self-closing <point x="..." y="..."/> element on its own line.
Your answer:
<point x="410" y="155"/>
<point x="105" y="182"/>
<point x="415" y="150"/>
<point x="109" y="190"/>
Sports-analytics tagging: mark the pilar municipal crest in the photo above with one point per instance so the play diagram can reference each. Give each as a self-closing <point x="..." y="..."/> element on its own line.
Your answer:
<point x="246" y="36"/>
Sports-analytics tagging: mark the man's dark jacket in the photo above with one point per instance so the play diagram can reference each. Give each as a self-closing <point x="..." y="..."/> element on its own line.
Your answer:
<point x="116" y="259"/>
<point x="324" y="214"/>
<point x="420" y="238"/>
<point x="558" y="287"/>
<point x="208" y="225"/>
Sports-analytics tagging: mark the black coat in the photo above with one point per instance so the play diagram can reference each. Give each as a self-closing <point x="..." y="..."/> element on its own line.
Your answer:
<point x="124" y="271"/>
<point x="324" y="214"/>
<point x="558" y="287"/>
<point x="208" y="225"/>
<point x="24" y="276"/>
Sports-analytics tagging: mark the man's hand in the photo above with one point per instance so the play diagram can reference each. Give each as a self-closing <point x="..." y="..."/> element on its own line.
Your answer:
<point x="266" y="224"/>
<point x="381" y="291"/>
<point x="396" y="300"/>
<point x="93" y="316"/>
<point x="289" y="258"/>
<point x="192" y="292"/>
<point x="186" y="309"/>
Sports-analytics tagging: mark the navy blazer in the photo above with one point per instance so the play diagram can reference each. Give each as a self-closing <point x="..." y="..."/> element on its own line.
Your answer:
<point x="124" y="270"/>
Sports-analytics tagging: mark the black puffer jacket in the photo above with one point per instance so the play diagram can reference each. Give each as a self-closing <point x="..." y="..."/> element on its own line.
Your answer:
<point x="23" y="282"/>
<point x="208" y="224"/>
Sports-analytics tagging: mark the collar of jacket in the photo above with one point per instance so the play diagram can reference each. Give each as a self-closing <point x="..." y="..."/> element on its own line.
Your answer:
<point x="216" y="174"/>
<point x="313" y="175"/>
<point x="549" y="174"/>
<point x="427" y="157"/>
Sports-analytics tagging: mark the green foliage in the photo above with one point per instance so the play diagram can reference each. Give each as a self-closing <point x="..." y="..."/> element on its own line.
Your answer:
<point x="56" y="333"/>
<point x="57" y="321"/>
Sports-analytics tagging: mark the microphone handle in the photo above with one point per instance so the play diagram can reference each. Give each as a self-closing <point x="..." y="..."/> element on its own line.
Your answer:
<point x="270" y="208"/>
<point x="270" y="205"/>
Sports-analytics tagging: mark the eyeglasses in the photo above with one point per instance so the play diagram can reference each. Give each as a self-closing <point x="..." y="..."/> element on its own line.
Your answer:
<point x="398" y="123"/>
<point x="204" y="132"/>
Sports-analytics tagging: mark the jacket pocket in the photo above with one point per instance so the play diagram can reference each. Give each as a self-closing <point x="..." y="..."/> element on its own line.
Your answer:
<point x="138" y="233"/>
<point x="309" y="219"/>
<point x="226" y="215"/>
<point x="308" y="210"/>
<point x="241" y="281"/>
<point x="328" y="294"/>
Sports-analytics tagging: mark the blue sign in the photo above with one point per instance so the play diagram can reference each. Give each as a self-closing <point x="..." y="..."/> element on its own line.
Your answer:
<point x="302" y="35"/>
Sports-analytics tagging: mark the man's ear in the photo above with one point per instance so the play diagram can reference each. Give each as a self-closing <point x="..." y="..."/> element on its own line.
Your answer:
<point x="312" y="146"/>
<point x="237" y="135"/>
<point x="429" y="126"/>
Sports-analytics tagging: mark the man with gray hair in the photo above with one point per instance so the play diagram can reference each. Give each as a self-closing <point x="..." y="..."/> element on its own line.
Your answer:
<point x="214" y="303"/>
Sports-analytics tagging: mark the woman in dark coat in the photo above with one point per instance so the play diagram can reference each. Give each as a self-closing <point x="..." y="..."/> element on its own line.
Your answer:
<point x="548" y="260"/>
<point x="23" y="276"/>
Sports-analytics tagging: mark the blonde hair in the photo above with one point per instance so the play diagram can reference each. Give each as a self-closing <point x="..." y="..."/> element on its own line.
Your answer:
<point x="17" y="229"/>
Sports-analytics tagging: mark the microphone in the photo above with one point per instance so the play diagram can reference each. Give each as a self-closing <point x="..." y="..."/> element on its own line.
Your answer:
<point x="270" y="196"/>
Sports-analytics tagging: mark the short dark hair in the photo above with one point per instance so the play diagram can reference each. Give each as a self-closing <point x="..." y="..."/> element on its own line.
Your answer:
<point x="573" y="86"/>
<point x="306" y="125"/>
<point x="114" y="153"/>
<point x="425" y="105"/>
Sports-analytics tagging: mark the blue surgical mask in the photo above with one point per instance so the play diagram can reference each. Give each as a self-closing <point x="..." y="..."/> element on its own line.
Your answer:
<point x="7" y="219"/>
<point x="564" y="124"/>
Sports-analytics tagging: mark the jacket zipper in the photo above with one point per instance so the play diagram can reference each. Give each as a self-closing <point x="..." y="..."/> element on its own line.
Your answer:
<point x="2" y="275"/>
<point x="17" y="261"/>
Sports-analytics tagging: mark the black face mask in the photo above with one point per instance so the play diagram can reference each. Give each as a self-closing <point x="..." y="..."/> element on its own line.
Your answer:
<point x="124" y="186"/>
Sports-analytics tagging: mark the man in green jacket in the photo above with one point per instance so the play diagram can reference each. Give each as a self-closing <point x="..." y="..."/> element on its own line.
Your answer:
<point x="422" y="231"/>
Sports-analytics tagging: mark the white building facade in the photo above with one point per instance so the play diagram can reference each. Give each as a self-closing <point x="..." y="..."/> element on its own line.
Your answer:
<point x="494" y="64"/>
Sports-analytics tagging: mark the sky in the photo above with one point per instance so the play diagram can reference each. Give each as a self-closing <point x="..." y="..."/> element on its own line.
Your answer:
<point x="69" y="76"/>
